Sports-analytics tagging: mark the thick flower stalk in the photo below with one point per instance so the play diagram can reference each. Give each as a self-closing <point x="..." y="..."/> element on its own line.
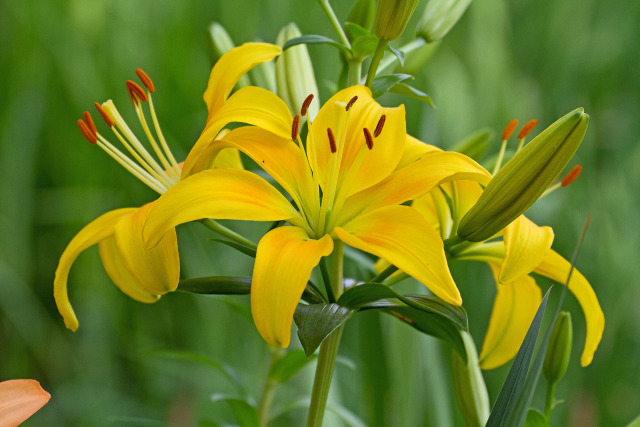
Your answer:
<point x="347" y="182"/>
<point x="141" y="273"/>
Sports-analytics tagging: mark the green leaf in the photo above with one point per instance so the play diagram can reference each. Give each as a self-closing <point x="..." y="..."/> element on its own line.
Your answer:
<point x="289" y="365"/>
<point x="410" y="91"/>
<point x="505" y="406"/>
<point x="382" y="84"/>
<point x="245" y="414"/>
<point x="317" y="321"/>
<point x="635" y="422"/>
<point x="368" y="293"/>
<point x="226" y="370"/>
<point x="364" y="45"/>
<point x="237" y="246"/>
<point x="219" y="285"/>
<point x="398" y="53"/>
<point x="351" y="419"/>
<point x="356" y="30"/>
<point x="536" y="419"/>
<point x="315" y="39"/>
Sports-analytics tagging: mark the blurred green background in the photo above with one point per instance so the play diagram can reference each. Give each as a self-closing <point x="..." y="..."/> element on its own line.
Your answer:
<point x="504" y="60"/>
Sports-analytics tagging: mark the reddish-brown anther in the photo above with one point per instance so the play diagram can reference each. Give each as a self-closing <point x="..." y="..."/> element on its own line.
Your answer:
<point x="104" y="115"/>
<point x="135" y="91"/>
<point x="305" y="105"/>
<point x="89" y="122"/>
<point x="332" y="141"/>
<point x="294" y="127"/>
<point x="571" y="176"/>
<point x="508" y="130"/>
<point x="528" y="127"/>
<point x="379" y="126"/>
<point x="351" y="102"/>
<point x="146" y="80"/>
<point x="86" y="132"/>
<point x="368" y="138"/>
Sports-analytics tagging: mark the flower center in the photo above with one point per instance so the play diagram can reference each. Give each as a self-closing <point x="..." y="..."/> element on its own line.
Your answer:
<point x="160" y="174"/>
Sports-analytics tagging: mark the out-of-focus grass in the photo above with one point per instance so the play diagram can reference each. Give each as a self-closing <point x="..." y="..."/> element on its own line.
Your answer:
<point x="504" y="60"/>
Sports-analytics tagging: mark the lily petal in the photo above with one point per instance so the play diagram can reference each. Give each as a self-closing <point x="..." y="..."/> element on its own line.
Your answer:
<point x="119" y="272"/>
<point x="416" y="180"/>
<point x="233" y="65"/>
<point x="217" y="194"/>
<point x="251" y="105"/>
<point x="414" y="150"/>
<point x="19" y="399"/>
<point x="557" y="268"/>
<point x="366" y="112"/>
<point x="156" y="270"/>
<point x="285" y="258"/>
<point x="526" y="246"/>
<point x="97" y="230"/>
<point x="402" y="236"/>
<point x="513" y="310"/>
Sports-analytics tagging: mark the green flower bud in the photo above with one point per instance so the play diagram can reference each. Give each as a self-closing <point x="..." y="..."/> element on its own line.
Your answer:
<point x="295" y="79"/>
<point x="524" y="178"/>
<point x="439" y="17"/>
<point x="557" y="358"/>
<point x="469" y="386"/>
<point x="392" y="17"/>
<point x="221" y="43"/>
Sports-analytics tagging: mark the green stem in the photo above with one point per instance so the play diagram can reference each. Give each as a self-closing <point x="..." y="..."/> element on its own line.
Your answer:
<point x="328" y="349"/>
<point x="335" y="23"/>
<point x="548" y="404"/>
<point x="406" y="49"/>
<point x="375" y="61"/>
<point x="269" y="388"/>
<point x="228" y="233"/>
<point x="395" y="279"/>
<point x="355" y="69"/>
<point x="384" y="274"/>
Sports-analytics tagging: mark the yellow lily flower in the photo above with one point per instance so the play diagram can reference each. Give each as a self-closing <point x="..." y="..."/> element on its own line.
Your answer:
<point x="524" y="248"/>
<point x="344" y="185"/>
<point x="141" y="273"/>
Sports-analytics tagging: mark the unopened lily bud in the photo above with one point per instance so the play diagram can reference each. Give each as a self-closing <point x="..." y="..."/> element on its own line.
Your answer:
<point x="295" y="79"/>
<point x="439" y="17"/>
<point x="392" y="17"/>
<point x="556" y="360"/>
<point x="363" y="13"/>
<point x="222" y="43"/>
<point x="524" y="178"/>
<point x="469" y="386"/>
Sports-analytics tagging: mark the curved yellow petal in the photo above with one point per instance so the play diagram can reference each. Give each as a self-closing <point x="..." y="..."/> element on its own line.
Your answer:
<point x="513" y="310"/>
<point x="416" y="180"/>
<point x="120" y="274"/>
<point x="231" y="66"/>
<point x="414" y="149"/>
<point x="97" y="230"/>
<point x="19" y="399"/>
<point x="557" y="268"/>
<point x="402" y="236"/>
<point x="156" y="270"/>
<point x="285" y="258"/>
<point x="359" y="167"/>
<point x="281" y="158"/>
<point x="226" y="159"/>
<point x="435" y="209"/>
<point x="526" y="246"/>
<point x="464" y="195"/>
<point x="251" y="105"/>
<point x="217" y="194"/>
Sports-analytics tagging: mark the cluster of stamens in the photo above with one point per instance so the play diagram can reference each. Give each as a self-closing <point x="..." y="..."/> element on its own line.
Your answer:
<point x="159" y="176"/>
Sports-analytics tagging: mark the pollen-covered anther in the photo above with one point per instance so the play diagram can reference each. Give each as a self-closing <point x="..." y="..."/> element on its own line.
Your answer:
<point x="305" y="105"/>
<point x="104" y="115"/>
<point x="294" y="127"/>
<point x="86" y="132"/>
<point x="571" y="176"/>
<point x="528" y="127"/>
<point x="508" y="130"/>
<point x="146" y="80"/>
<point x="351" y="102"/>
<point x="135" y="92"/>
<point x="368" y="138"/>
<point x="379" y="126"/>
<point x="332" y="141"/>
<point x="89" y="122"/>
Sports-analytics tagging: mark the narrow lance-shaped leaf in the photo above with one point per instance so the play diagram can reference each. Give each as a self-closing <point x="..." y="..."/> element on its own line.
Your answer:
<point x="317" y="321"/>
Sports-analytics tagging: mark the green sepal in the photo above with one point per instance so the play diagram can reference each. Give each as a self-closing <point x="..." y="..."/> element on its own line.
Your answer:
<point x="382" y="84"/>
<point x="558" y="353"/>
<point x="536" y="418"/>
<point x="288" y="365"/>
<point x="317" y="321"/>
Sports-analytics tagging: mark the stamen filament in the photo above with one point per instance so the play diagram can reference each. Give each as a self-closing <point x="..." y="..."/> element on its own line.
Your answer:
<point x="163" y="141"/>
<point x="508" y="130"/>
